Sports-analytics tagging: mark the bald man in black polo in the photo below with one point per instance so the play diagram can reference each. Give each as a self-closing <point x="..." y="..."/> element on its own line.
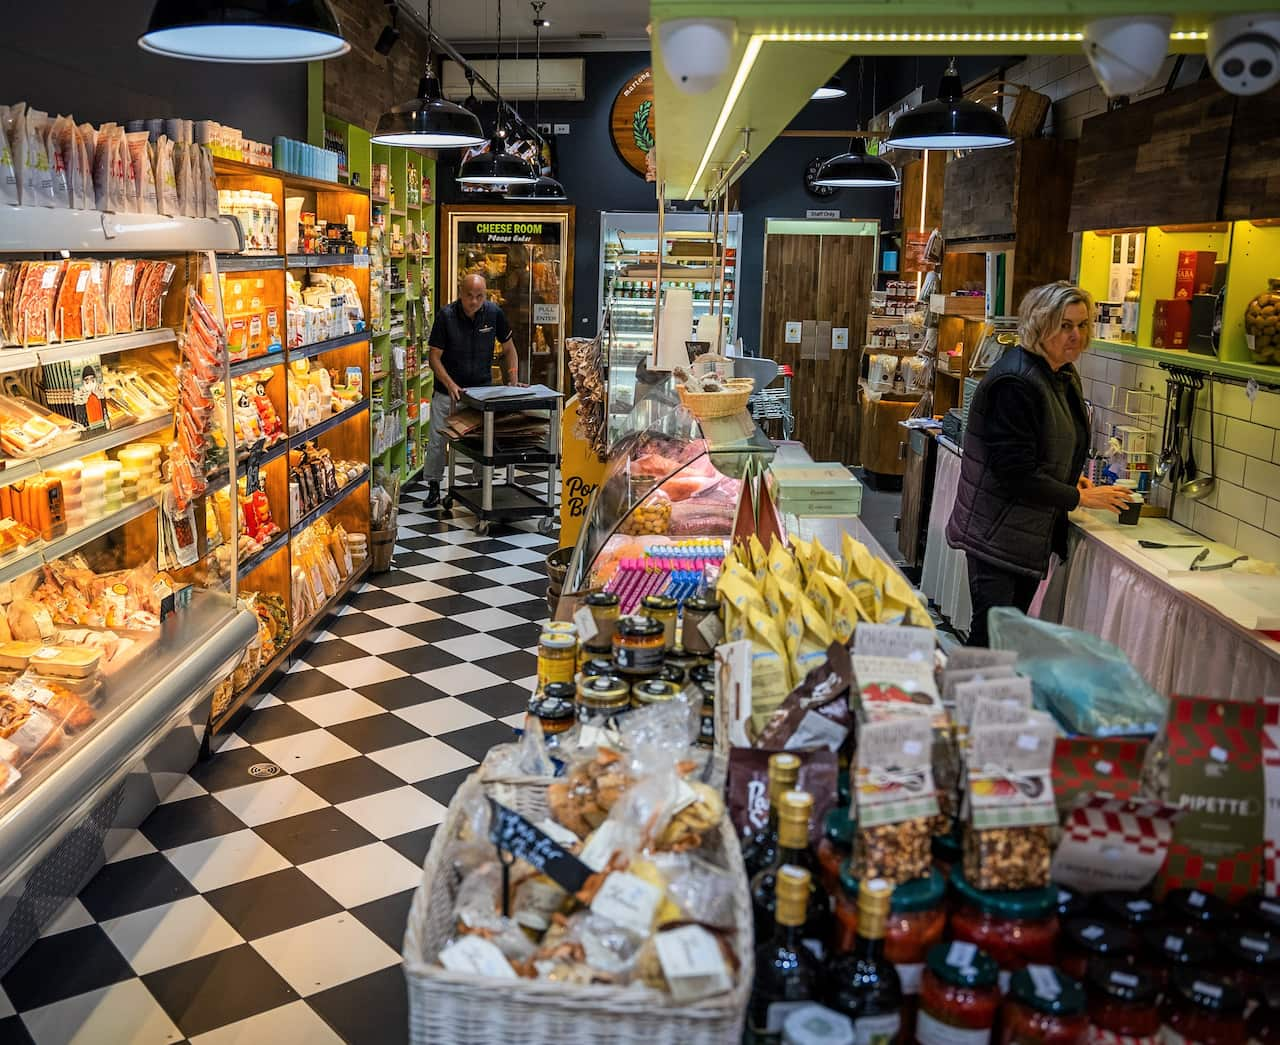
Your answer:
<point x="461" y="350"/>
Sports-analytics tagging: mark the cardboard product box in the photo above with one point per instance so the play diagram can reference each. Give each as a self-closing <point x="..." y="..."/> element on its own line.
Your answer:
<point x="1171" y="327"/>
<point x="1195" y="273"/>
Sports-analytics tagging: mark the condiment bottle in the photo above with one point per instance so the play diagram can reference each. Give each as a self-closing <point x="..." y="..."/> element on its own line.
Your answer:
<point x="762" y="848"/>
<point x="863" y="984"/>
<point x="786" y="973"/>
<point x="795" y="810"/>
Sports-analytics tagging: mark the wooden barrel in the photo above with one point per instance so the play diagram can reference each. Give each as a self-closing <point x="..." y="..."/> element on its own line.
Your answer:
<point x="382" y="545"/>
<point x="557" y="569"/>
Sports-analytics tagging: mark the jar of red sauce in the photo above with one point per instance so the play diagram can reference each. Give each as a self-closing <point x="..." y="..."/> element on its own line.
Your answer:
<point x="835" y="848"/>
<point x="1264" y="1021"/>
<point x="1084" y="939"/>
<point x="1167" y="949"/>
<point x="1016" y="927"/>
<point x="1202" y="1009"/>
<point x="959" y="996"/>
<point x="917" y="920"/>
<point x="1122" y="1004"/>
<point x="1044" y="1007"/>
<point x="1197" y="909"/>
<point x="1133" y="910"/>
<point x="1254" y="958"/>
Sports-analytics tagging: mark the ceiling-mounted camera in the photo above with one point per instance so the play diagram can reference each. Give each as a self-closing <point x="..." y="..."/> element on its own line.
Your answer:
<point x="1127" y="52"/>
<point x="1244" y="52"/>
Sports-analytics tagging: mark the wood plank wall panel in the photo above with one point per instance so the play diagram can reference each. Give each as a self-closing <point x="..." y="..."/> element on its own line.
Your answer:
<point x="978" y="194"/>
<point x="1252" y="187"/>
<point x="1042" y="204"/>
<point x="1157" y="162"/>
<point x="790" y="293"/>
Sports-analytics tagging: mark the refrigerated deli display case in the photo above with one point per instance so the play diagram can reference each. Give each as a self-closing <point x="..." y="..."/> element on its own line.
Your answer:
<point x="629" y="289"/>
<point x="115" y="628"/>
<point x="669" y="498"/>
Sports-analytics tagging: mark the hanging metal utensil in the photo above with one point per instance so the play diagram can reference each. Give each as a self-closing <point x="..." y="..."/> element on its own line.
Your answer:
<point x="1199" y="487"/>
<point x="1165" y="462"/>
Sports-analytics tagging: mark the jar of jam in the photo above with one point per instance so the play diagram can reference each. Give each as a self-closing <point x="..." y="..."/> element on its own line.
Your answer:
<point x="601" y="697"/>
<point x="1133" y="910"/>
<point x="700" y="627"/>
<point x="835" y="848"/>
<point x="959" y="996"/>
<point x="1018" y="927"/>
<point x="598" y="665"/>
<point x="1071" y="904"/>
<point x="1254" y="958"/>
<point x="557" y="658"/>
<point x="1202" y="1009"/>
<point x="663" y="609"/>
<point x="604" y="607"/>
<point x="1198" y="909"/>
<point x="554" y="708"/>
<point x="638" y="646"/>
<point x="1044" y="1007"/>
<point x="653" y="691"/>
<point x="1122" y="1004"/>
<point x="1168" y="949"/>
<point x="1084" y="939"/>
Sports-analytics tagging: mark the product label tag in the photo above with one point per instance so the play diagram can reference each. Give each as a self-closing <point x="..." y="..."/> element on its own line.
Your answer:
<point x="877" y="1030"/>
<point x="1010" y="783"/>
<point x="1045" y="981"/>
<point x="901" y="642"/>
<point x="966" y="658"/>
<point x="472" y="954"/>
<point x="1011" y="694"/>
<point x="600" y="846"/>
<point x="894" y="779"/>
<point x="585" y="623"/>
<point x="891" y="688"/>
<point x="1112" y="843"/>
<point x="711" y="629"/>
<point x="910" y="975"/>
<point x="627" y="901"/>
<point x="933" y="1032"/>
<point x="692" y="963"/>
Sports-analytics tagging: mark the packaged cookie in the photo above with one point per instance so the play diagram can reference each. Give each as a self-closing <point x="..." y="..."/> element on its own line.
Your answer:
<point x="1010" y="803"/>
<point x="896" y="799"/>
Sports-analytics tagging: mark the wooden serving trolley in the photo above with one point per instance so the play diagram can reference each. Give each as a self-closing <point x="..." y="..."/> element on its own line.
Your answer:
<point x="506" y="502"/>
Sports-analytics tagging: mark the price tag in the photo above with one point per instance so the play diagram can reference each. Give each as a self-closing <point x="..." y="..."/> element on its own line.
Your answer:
<point x="1173" y="943"/>
<point x="1092" y="932"/>
<point x="1124" y="979"/>
<point x="711" y="629"/>
<point x="960" y="954"/>
<point x="1254" y="944"/>
<point x="478" y="956"/>
<point x="1196" y="898"/>
<point x="586" y="624"/>
<point x="510" y="831"/>
<point x="692" y="963"/>
<point x="600" y="846"/>
<point x="1044" y="981"/>
<point x="1211" y="989"/>
<point x="894" y="640"/>
<point x="627" y="901"/>
<point x="1028" y="741"/>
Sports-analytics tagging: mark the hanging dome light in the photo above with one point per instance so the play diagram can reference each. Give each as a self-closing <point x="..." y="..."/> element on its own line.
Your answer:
<point x="544" y="190"/>
<point x="829" y="91"/>
<point x="497" y="166"/>
<point x="252" y="32"/>
<point x="950" y="122"/>
<point x="856" y="169"/>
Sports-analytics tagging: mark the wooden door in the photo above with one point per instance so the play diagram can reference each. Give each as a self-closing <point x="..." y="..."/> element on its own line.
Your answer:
<point x="822" y="282"/>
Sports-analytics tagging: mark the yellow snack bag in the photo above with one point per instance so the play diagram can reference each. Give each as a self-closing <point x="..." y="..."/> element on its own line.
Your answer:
<point x="759" y="558"/>
<point x="863" y="575"/>
<point x="771" y="679"/>
<point x="901" y="606"/>
<point x="808" y="637"/>
<point x="824" y="560"/>
<point x="778" y="597"/>
<point x="817" y="592"/>
<point x="781" y="563"/>
<point x="804" y="556"/>
<point x="846" y="609"/>
<point x="738" y="596"/>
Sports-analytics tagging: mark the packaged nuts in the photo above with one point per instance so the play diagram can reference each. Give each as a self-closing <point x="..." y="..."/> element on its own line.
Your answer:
<point x="896" y="799"/>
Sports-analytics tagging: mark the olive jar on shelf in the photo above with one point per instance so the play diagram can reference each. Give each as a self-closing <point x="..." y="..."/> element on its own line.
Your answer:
<point x="1262" y="324"/>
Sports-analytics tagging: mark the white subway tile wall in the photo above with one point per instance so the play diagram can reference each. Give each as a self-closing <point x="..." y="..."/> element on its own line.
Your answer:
<point x="1244" y="508"/>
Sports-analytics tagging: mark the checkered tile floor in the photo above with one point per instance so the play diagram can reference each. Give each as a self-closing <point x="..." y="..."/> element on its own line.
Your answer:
<point x="257" y="908"/>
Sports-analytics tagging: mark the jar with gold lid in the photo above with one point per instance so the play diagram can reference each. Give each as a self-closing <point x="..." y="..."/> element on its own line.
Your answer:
<point x="557" y="657"/>
<point x="653" y="691"/>
<point x="555" y="709"/>
<point x="638" y="646"/>
<point x="604" y="607"/>
<point x="602" y="697"/>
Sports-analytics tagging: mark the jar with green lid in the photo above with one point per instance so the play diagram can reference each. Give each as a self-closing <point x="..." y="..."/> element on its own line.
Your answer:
<point x="555" y="709"/>
<point x="663" y="609"/>
<point x="653" y="691"/>
<point x="604" y="607"/>
<point x="557" y="657"/>
<point x="1044" y="1007"/>
<point x="1179" y="947"/>
<point x="638" y="646"/>
<point x="1017" y="927"/>
<point x="959" y="995"/>
<point x="700" y="627"/>
<point x="602" y="697"/>
<point x="1253" y="956"/>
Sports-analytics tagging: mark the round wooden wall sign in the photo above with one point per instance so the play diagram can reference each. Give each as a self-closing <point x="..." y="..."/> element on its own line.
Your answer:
<point x="632" y="124"/>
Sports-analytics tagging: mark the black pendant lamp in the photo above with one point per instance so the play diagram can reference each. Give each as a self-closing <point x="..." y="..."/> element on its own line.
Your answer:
<point x="856" y="169"/>
<point x="429" y="121"/>
<point x="829" y="91"/>
<point x="497" y="166"/>
<point x="545" y="189"/>
<point x="252" y="32"/>
<point x="950" y="122"/>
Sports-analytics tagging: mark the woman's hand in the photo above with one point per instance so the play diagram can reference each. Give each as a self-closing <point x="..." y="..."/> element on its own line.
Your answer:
<point x="1084" y="484"/>
<point x="1112" y="498"/>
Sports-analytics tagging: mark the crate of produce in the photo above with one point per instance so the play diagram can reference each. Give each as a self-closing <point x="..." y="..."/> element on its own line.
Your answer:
<point x="451" y="1008"/>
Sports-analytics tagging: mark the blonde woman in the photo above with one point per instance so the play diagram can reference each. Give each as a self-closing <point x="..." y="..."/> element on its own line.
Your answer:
<point x="1024" y="449"/>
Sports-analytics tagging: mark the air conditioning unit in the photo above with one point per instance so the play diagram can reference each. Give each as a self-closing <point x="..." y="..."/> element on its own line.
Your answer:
<point x="562" y="80"/>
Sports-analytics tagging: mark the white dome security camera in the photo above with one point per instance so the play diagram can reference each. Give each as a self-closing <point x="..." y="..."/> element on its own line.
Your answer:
<point x="1127" y="52"/>
<point x="696" y="51"/>
<point x="1244" y="52"/>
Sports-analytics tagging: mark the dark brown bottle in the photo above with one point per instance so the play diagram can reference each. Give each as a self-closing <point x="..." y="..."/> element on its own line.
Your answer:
<point x="761" y="849"/>
<point x="795" y="809"/>
<point x="863" y="984"/>
<point x="786" y="973"/>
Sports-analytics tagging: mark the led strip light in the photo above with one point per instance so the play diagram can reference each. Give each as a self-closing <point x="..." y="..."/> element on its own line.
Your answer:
<point x="758" y="40"/>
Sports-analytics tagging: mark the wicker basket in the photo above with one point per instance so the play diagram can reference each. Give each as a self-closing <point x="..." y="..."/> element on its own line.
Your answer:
<point x="448" y="1008"/>
<point x="708" y="405"/>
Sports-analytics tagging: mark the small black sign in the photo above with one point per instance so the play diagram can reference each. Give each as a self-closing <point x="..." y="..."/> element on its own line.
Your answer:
<point x="512" y="832"/>
<point x="253" y="468"/>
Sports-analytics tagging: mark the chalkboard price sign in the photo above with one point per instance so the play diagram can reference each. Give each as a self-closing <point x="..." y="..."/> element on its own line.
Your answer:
<point x="514" y="834"/>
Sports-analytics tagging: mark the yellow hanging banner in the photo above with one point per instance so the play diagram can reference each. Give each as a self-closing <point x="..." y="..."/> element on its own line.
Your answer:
<point x="581" y="472"/>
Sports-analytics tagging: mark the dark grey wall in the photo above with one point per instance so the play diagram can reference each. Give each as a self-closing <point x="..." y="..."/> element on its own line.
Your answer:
<point x="81" y="57"/>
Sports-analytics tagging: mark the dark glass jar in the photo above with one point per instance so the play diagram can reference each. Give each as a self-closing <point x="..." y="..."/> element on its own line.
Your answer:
<point x="1258" y="911"/>
<point x="1133" y="910"/>
<point x="1016" y="928"/>
<point x="1197" y="909"/>
<point x="1254" y="960"/>
<point x="959" y="995"/>
<point x="1167" y="949"/>
<point x="1044" y="1007"/>
<point x="1123" y="1003"/>
<point x="1071" y="904"/>
<point x="1202" y="1009"/>
<point x="555" y="708"/>
<point x="602" y="665"/>
<point x="678" y="664"/>
<point x="1084" y="939"/>
<point x="1264" y="1021"/>
<point x="703" y="674"/>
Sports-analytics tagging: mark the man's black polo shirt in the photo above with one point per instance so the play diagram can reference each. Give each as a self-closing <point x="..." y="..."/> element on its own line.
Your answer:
<point x="466" y="345"/>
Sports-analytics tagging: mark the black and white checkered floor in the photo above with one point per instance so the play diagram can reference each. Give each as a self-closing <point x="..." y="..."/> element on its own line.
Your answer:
<point x="261" y="907"/>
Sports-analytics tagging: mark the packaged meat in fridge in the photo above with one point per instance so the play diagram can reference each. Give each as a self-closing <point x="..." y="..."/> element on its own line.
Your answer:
<point x="144" y="173"/>
<point x="69" y="312"/>
<point x="103" y="169"/>
<point x="96" y="318"/>
<point x="127" y="200"/>
<point x="31" y="157"/>
<point x="120" y="295"/>
<point x="34" y="306"/>
<point x="210" y="182"/>
<point x="8" y="173"/>
<point x="67" y="142"/>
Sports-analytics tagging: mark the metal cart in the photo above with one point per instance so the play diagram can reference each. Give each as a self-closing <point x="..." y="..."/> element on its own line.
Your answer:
<point x="506" y="502"/>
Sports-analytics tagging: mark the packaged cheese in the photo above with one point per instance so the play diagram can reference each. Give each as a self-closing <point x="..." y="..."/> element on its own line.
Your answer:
<point x="65" y="661"/>
<point x="15" y="656"/>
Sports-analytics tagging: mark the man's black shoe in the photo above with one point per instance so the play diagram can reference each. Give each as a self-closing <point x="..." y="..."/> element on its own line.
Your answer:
<point x="432" y="499"/>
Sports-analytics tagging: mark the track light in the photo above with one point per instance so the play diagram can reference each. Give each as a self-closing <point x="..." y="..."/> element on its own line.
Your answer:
<point x="390" y="34"/>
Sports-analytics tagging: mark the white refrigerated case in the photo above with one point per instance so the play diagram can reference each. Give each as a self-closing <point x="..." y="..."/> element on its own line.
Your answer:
<point x="629" y="287"/>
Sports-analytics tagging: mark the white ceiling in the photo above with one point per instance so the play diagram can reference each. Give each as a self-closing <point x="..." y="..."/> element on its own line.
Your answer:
<point x="470" y="22"/>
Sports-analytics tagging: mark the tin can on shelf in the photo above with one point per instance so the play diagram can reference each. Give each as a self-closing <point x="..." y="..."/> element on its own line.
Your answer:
<point x="557" y="658"/>
<point x="663" y="609"/>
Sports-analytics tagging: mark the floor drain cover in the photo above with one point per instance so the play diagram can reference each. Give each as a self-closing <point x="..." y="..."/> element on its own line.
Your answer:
<point x="264" y="769"/>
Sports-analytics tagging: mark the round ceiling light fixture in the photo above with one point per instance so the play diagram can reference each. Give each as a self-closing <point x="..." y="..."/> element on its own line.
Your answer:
<point x="856" y="169"/>
<point x="829" y="91"/>
<point x="249" y="32"/>
<point x="951" y="121"/>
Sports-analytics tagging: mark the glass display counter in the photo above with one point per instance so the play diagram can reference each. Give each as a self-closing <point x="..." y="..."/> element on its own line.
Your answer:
<point x="670" y="494"/>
